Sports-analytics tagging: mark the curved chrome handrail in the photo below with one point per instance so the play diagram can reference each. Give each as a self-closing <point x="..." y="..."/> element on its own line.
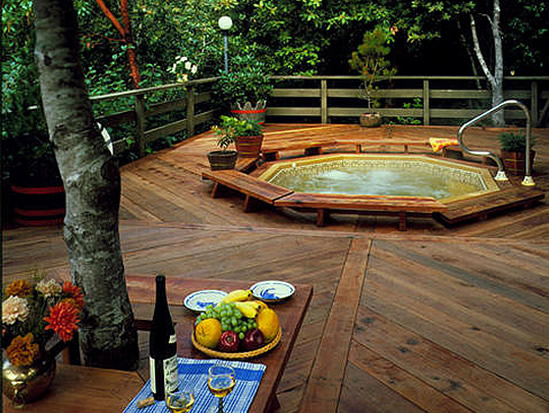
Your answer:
<point x="501" y="176"/>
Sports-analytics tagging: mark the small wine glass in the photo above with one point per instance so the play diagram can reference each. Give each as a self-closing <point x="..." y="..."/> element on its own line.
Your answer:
<point x="221" y="381"/>
<point x="181" y="400"/>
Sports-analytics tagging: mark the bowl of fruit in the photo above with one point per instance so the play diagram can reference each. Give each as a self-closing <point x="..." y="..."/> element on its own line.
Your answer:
<point x="238" y="327"/>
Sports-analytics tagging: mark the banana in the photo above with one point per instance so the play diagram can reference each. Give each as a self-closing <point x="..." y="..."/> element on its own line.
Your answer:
<point x="236" y="295"/>
<point x="248" y="308"/>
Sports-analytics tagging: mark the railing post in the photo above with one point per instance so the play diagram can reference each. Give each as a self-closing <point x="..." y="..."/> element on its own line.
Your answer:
<point x="140" y="124"/>
<point x="534" y="99"/>
<point x="324" y="101"/>
<point x="190" y="111"/>
<point x="426" y="102"/>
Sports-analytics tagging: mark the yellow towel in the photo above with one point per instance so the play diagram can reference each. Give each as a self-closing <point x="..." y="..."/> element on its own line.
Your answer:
<point x="438" y="143"/>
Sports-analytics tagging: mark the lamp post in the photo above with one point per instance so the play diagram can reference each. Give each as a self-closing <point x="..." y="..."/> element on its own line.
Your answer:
<point x="225" y="23"/>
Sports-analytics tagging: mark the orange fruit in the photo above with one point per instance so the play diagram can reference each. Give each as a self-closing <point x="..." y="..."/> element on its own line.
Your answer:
<point x="268" y="323"/>
<point x="208" y="332"/>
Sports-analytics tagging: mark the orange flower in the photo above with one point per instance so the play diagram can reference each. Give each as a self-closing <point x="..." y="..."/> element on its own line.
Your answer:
<point x="19" y="288"/>
<point x="63" y="320"/>
<point x="75" y="293"/>
<point x="22" y="351"/>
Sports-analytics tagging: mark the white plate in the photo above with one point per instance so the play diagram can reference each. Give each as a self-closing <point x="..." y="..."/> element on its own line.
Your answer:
<point x="199" y="300"/>
<point x="272" y="291"/>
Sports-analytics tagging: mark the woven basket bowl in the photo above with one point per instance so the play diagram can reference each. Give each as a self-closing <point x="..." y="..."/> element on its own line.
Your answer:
<point x="238" y="356"/>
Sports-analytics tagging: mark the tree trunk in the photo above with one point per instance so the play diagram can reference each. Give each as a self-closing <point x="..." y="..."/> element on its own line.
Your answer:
<point x="92" y="185"/>
<point x="495" y="79"/>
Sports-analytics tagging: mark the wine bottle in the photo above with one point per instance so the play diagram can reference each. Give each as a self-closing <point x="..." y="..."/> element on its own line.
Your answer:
<point x="162" y="346"/>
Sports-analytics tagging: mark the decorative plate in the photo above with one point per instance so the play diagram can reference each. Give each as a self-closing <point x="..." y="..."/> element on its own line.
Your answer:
<point x="272" y="291"/>
<point x="199" y="300"/>
<point x="240" y="355"/>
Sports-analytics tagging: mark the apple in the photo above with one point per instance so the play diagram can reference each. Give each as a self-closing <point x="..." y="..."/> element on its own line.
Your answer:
<point x="253" y="339"/>
<point x="228" y="342"/>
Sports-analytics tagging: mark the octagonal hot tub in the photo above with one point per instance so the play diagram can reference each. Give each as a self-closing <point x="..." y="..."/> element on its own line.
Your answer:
<point x="382" y="175"/>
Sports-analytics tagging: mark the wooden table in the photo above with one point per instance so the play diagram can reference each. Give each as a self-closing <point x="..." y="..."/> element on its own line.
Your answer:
<point x="141" y="290"/>
<point x="86" y="389"/>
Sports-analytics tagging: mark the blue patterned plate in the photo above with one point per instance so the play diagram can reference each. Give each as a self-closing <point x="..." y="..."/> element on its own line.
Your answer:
<point x="199" y="300"/>
<point x="272" y="291"/>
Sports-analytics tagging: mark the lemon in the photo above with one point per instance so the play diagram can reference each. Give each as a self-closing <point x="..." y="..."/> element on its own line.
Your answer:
<point x="268" y="324"/>
<point x="208" y="332"/>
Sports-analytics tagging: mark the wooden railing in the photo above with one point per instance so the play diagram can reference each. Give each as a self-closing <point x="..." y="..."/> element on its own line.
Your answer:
<point x="336" y="97"/>
<point x="142" y="111"/>
<point x="328" y="99"/>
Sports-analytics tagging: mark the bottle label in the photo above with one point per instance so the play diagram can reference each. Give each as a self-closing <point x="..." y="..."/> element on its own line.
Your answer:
<point x="171" y="379"/>
<point x="153" y="374"/>
<point x="172" y="339"/>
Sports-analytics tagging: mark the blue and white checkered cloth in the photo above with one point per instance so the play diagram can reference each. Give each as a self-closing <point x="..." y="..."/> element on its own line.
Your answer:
<point x="248" y="377"/>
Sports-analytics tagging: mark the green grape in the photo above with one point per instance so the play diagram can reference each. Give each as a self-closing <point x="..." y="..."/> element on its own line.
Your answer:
<point x="254" y="325"/>
<point x="234" y="321"/>
<point x="237" y="329"/>
<point x="241" y="336"/>
<point x="244" y="328"/>
<point x="237" y="313"/>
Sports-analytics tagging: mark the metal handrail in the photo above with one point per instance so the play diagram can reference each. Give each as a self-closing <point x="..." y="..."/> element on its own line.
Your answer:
<point x="501" y="176"/>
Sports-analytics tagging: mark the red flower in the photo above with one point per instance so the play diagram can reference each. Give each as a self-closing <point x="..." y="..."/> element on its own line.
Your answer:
<point x="63" y="318"/>
<point x="74" y="292"/>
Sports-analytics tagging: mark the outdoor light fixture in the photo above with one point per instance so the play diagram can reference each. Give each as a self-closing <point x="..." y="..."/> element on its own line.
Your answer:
<point x="225" y="23"/>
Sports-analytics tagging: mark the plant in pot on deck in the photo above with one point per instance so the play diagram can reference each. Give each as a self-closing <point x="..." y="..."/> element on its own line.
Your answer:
<point x="245" y="88"/>
<point x="371" y="62"/>
<point x="513" y="151"/>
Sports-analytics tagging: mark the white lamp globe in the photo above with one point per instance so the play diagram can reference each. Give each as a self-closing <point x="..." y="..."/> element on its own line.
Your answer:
<point x="225" y="23"/>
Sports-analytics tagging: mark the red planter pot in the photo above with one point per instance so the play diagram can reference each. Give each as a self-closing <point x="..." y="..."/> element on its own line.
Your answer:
<point x="249" y="146"/>
<point x="515" y="162"/>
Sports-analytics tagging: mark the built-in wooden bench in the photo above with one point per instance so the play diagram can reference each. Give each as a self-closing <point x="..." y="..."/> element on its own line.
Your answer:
<point x="455" y="152"/>
<point x="249" y="186"/>
<point x="484" y="205"/>
<point x="271" y="152"/>
<point x="360" y="143"/>
<point x="390" y="205"/>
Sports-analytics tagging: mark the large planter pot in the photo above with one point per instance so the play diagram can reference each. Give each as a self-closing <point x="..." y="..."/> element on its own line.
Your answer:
<point x="36" y="205"/>
<point x="514" y="162"/>
<point x="249" y="146"/>
<point x="250" y="112"/>
<point x="370" y="120"/>
<point x="23" y="384"/>
<point x="220" y="160"/>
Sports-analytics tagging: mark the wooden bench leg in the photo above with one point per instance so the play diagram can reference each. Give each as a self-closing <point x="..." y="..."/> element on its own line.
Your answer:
<point x="402" y="221"/>
<point x="271" y="156"/>
<point x="215" y="190"/>
<point x="313" y="150"/>
<point x="247" y="201"/>
<point x="358" y="148"/>
<point x="406" y="149"/>
<point x="321" y="215"/>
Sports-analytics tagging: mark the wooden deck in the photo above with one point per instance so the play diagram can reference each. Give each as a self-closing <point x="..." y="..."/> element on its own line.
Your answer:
<point x="434" y="320"/>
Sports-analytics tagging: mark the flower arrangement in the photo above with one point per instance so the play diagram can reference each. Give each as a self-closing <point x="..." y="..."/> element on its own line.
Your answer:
<point x="35" y="314"/>
<point x="182" y="67"/>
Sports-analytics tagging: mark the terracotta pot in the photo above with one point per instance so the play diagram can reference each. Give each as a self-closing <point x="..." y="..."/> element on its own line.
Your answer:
<point x="370" y="120"/>
<point x="23" y="384"/>
<point x="514" y="162"/>
<point x="220" y="160"/>
<point x="249" y="146"/>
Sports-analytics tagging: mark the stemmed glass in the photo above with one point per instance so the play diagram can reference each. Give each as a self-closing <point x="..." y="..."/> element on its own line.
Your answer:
<point x="182" y="400"/>
<point x="221" y="381"/>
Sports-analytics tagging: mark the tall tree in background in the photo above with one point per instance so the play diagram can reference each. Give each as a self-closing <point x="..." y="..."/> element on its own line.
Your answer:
<point x="92" y="185"/>
<point x="126" y="32"/>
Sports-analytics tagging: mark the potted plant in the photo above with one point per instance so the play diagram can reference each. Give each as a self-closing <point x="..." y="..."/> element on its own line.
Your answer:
<point x="245" y="88"/>
<point x="246" y="134"/>
<point x="513" y="151"/>
<point x="370" y="61"/>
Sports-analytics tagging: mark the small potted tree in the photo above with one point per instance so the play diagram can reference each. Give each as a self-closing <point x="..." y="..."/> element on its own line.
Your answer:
<point x="245" y="88"/>
<point x="370" y="61"/>
<point x="513" y="151"/>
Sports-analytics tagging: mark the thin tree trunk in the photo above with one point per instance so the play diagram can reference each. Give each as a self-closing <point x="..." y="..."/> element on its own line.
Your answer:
<point x="92" y="185"/>
<point x="495" y="79"/>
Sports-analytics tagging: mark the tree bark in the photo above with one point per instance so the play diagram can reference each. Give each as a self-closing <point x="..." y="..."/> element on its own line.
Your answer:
<point x="495" y="79"/>
<point x="92" y="185"/>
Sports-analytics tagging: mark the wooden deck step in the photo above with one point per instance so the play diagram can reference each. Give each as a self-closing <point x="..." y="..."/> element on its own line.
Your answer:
<point x="481" y="207"/>
<point x="391" y="205"/>
<point x="249" y="186"/>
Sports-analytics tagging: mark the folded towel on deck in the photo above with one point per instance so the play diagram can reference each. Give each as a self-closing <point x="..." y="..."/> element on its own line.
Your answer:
<point x="439" y="143"/>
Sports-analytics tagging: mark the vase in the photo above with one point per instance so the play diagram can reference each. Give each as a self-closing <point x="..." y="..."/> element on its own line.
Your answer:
<point x="23" y="384"/>
<point x="370" y="120"/>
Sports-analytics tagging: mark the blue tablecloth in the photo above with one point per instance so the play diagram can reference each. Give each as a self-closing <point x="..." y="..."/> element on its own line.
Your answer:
<point x="248" y="377"/>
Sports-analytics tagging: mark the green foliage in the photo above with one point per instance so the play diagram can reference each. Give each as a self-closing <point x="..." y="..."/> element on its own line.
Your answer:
<point x="371" y="62"/>
<point x="231" y="128"/>
<point x="246" y="81"/>
<point x="514" y="141"/>
<point x="408" y="120"/>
